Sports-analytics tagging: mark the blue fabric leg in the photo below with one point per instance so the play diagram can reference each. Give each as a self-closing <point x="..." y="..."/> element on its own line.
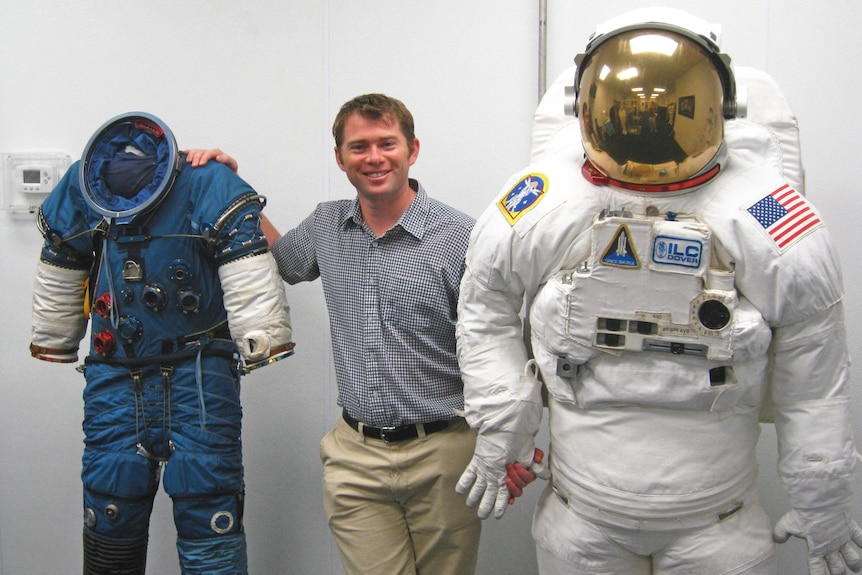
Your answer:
<point x="216" y="556"/>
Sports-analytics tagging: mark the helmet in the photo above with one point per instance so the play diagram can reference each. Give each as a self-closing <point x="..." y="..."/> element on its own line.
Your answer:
<point x="651" y="92"/>
<point x="129" y="166"/>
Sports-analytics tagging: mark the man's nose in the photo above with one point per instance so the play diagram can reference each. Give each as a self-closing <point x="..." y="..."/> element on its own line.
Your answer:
<point x="374" y="154"/>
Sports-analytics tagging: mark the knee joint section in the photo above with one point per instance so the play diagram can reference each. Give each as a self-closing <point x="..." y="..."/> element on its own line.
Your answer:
<point x="205" y="517"/>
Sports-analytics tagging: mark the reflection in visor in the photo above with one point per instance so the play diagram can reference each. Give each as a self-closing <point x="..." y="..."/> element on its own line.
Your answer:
<point x="650" y="106"/>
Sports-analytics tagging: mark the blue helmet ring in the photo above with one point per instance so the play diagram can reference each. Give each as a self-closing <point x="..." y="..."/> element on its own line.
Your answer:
<point x="129" y="166"/>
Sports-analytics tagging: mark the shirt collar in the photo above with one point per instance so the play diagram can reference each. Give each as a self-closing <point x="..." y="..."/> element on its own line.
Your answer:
<point x="412" y="220"/>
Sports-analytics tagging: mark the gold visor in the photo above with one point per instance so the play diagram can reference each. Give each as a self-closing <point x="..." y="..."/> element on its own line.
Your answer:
<point x="650" y="108"/>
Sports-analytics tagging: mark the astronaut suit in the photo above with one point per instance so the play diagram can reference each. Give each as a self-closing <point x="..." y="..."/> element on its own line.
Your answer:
<point x="173" y="269"/>
<point x="678" y="289"/>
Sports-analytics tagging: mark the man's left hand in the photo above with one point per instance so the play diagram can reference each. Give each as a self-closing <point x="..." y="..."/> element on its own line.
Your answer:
<point x="518" y="476"/>
<point x="199" y="157"/>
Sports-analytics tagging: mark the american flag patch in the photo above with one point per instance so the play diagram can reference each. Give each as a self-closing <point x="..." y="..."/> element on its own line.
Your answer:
<point x="785" y="216"/>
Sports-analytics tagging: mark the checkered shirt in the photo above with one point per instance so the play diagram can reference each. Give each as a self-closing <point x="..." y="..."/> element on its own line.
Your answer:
<point x="392" y="305"/>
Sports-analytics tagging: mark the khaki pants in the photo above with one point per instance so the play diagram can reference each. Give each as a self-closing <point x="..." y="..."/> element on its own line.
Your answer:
<point x="392" y="507"/>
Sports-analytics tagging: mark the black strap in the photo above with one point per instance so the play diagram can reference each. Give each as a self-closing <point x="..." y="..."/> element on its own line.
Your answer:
<point x="165" y="359"/>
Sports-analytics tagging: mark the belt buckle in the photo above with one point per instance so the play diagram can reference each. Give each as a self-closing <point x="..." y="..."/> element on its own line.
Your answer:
<point x="384" y="431"/>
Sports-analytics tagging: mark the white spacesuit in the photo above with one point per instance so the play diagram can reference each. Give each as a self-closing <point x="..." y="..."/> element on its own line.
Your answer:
<point x="678" y="286"/>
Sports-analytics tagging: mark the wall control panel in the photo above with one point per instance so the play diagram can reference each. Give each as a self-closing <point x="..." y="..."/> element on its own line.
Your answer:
<point x="28" y="178"/>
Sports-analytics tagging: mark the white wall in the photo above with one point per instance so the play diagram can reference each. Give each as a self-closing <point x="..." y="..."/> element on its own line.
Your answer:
<point x="263" y="80"/>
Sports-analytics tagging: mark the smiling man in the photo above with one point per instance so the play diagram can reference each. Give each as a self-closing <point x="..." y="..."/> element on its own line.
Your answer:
<point x="376" y="154"/>
<point x="390" y="261"/>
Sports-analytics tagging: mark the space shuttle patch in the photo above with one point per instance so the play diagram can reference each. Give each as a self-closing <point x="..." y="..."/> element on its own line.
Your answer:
<point x="523" y="196"/>
<point x="621" y="252"/>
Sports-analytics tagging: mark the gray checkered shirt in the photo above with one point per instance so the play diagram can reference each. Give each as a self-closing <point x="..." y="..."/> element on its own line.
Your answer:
<point x="392" y="305"/>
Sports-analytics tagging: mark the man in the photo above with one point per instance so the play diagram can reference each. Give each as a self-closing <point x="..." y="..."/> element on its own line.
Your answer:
<point x="675" y="294"/>
<point x="390" y="261"/>
<point x="616" y="121"/>
<point x="174" y="266"/>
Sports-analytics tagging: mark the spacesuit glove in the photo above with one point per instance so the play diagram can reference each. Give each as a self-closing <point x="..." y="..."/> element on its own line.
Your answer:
<point x="484" y="480"/>
<point x="830" y="536"/>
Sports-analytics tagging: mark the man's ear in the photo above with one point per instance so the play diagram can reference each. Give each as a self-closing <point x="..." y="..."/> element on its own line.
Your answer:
<point x="338" y="158"/>
<point x="414" y="151"/>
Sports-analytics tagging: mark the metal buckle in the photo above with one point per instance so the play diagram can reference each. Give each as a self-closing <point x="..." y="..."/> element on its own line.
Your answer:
<point x="386" y="430"/>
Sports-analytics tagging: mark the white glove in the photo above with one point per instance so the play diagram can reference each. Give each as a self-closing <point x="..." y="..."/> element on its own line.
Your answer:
<point x="257" y="312"/>
<point x="830" y="537"/>
<point x="485" y="477"/>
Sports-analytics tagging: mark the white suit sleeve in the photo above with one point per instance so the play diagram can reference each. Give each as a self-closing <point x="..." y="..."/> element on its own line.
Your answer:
<point x="59" y="319"/>
<point x="257" y="310"/>
<point x="502" y="399"/>
<point x="492" y="353"/>
<point x="817" y="455"/>
<point x="502" y="396"/>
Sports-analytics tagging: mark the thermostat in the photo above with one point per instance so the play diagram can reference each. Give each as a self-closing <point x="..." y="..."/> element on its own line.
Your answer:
<point x="29" y="178"/>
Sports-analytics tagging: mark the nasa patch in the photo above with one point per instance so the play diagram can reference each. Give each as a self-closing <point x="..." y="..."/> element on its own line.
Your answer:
<point x="523" y="196"/>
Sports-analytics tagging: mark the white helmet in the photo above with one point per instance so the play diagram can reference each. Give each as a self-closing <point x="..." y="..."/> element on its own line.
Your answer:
<point x="652" y="91"/>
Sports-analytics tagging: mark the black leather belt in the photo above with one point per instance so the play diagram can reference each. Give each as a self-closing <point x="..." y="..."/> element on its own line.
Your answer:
<point x="397" y="433"/>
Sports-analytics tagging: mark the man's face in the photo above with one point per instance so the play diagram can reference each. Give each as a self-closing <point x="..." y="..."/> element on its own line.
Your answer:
<point x="376" y="157"/>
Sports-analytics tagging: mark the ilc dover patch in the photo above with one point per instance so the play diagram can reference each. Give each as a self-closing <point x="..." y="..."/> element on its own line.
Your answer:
<point x="674" y="251"/>
<point x="523" y="196"/>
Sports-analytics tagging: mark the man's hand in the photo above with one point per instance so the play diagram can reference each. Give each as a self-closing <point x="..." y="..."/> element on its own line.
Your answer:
<point x="199" y="157"/>
<point x="518" y="476"/>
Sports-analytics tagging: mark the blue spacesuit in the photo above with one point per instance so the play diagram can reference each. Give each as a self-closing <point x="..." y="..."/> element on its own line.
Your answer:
<point x="173" y="269"/>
